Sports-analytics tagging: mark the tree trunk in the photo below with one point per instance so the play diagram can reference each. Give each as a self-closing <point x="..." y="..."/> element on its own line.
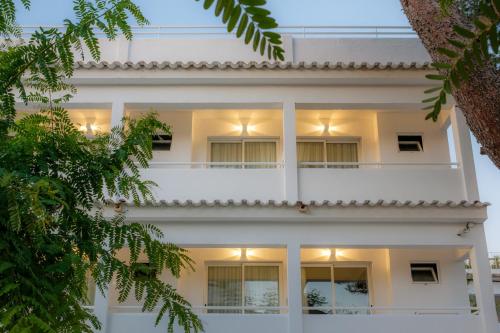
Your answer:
<point x="478" y="97"/>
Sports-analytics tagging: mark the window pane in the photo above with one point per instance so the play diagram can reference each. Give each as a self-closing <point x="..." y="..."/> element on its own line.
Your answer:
<point x="260" y="152"/>
<point x="316" y="289"/>
<point x="351" y="289"/>
<point x="225" y="152"/>
<point x="262" y="288"/>
<point x="497" y="303"/>
<point x="342" y="152"/>
<point x="425" y="272"/>
<point x="310" y="152"/>
<point x="91" y="288"/>
<point x="224" y="288"/>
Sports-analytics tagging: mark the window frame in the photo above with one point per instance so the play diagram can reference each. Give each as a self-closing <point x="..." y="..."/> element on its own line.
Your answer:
<point x="398" y="134"/>
<point x="342" y="264"/>
<point x="242" y="264"/>
<point x="429" y="262"/>
<point x="327" y="139"/>
<point x="242" y="140"/>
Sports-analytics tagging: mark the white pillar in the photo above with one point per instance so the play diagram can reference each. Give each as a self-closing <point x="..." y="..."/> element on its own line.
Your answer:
<point x="117" y="113"/>
<point x="465" y="158"/>
<point x="290" y="179"/>
<point x="101" y="309"/>
<point x="483" y="285"/>
<point x="294" y="286"/>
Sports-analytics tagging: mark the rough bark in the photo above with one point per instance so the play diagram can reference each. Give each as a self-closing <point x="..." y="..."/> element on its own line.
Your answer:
<point x="479" y="97"/>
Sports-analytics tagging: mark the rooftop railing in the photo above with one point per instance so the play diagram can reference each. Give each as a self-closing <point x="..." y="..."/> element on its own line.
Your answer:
<point x="296" y="31"/>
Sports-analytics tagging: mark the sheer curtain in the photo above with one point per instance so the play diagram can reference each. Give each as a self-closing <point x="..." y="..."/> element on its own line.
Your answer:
<point x="260" y="152"/>
<point x="224" y="287"/>
<point x="310" y="152"/>
<point x="225" y="152"/>
<point x="262" y="288"/>
<point x="342" y="152"/>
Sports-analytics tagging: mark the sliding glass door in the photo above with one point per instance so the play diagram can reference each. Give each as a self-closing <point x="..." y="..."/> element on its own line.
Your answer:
<point x="243" y="288"/>
<point x="335" y="289"/>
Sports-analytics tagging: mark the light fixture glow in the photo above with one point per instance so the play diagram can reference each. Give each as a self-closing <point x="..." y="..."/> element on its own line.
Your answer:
<point x="326" y="253"/>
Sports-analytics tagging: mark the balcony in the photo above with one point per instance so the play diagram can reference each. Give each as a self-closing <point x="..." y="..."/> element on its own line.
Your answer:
<point x="328" y="154"/>
<point x="351" y="289"/>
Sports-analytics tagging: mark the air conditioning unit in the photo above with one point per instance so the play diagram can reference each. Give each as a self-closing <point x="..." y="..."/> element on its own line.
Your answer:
<point x="162" y="142"/>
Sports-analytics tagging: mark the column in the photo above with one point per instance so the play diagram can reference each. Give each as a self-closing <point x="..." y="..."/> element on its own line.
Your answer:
<point x="294" y="286"/>
<point x="290" y="179"/>
<point x="101" y="308"/>
<point x="483" y="285"/>
<point x="117" y="113"/>
<point x="465" y="158"/>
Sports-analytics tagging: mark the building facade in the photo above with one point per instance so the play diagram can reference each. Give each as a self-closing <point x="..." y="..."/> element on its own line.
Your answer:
<point x="312" y="194"/>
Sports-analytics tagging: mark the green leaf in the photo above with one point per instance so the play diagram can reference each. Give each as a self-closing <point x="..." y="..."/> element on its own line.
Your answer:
<point x="455" y="79"/>
<point x="252" y="2"/>
<point x="208" y="3"/>
<point x="431" y="90"/>
<point x="441" y="65"/>
<point x="256" y="40"/>
<point x="257" y="11"/>
<point x="235" y="16"/>
<point x="219" y="7"/>
<point x="249" y="33"/>
<point x="228" y="11"/>
<point x="447" y="86"/>
<point x="456" y="43"/>
<point x="262" y="46"/>
<point x="464" y="32"/>
<point x="242" y="26"/>
<point x="432" y="99"/>
<point x="493" y="36"/>
<point x="435" y="77"/>
<point x="447" y="52"/>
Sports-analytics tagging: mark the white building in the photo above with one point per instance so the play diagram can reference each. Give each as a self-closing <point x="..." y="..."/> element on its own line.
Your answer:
<point x="312" y="194"/>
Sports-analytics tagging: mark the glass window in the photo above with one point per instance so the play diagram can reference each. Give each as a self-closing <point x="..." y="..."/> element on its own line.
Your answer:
<point x="91" y="288"/>
<point x="260" y="152"/>
<point x="226" y="152"/>
<point x="262" y="288"/>
<point x="351" y="289"/>
<point x="252" y="286"/>
<point x="310" y="152"/>
<point x="342" y="152"/>
<point x="424" y="272"/>
<point x="317" y="289"/>
<point x="244" y="151"/>
<point x="224" y="288"/>
<point x="410" y="143"/>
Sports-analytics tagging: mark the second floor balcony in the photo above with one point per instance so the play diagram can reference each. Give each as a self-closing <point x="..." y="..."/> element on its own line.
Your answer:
<point x="308" y="154"/>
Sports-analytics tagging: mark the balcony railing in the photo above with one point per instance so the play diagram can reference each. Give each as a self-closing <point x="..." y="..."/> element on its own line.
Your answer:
<point x="377" y="165"/>
<point x="208" y="165"/>
<point x="297" y="31"/>
<point x="375" y="310"/>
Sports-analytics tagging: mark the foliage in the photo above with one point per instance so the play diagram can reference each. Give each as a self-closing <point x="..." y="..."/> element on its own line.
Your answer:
<point x="252" y="23"/>
<point x="475" y="45"/>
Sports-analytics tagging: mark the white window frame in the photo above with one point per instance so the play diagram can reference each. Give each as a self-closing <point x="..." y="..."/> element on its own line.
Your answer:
<point x="398" y="134"/>
<point x="343" y="264"/>
<point x="242" y="264"/>
<point x="430" y="262"/>
<point x="242" y="140"/>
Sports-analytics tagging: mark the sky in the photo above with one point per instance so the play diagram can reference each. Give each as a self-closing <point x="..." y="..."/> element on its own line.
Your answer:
<point x="293" y="12"/>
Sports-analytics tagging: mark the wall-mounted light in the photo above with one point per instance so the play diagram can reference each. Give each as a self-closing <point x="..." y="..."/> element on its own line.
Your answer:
<point x="88" y="129"/>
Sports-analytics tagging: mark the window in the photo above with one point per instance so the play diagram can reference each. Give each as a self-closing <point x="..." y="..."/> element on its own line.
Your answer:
<point x="243" y="288"/>
<point x="497" y="303"/>
<point x="424" y="272"/>
<point x="326" y="289"/>
<point x="162" y="142"/>
<point x="410" y="143"/>
<point x="243" y="151"/>
<point x="312" y="154"/>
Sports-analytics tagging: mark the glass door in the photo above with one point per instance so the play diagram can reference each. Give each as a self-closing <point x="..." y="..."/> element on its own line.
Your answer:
<point x="351" y="290"/>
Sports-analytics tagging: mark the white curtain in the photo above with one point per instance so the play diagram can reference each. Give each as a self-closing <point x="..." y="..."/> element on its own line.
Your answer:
<point x="224" y="287"/>
<point x="225" y="152"/>
<point x="342" y="152"/>
<point x="262" y="288"/>
<point x="260" y="152"/>
<point x="310" y="152"/>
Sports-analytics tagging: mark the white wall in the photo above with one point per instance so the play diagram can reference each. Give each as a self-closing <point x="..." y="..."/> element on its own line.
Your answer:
<point x="181" y="126"/>
<point x="435" y="140"/>
<point x="451" y="291"/>
<point x="360" y="125"/>
<point x="227" y="123"/>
